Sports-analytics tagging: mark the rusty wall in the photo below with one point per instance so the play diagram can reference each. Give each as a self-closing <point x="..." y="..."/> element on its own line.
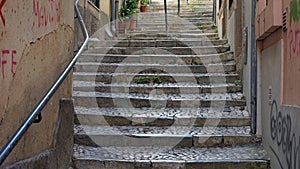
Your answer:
<point x="36" y="42"/>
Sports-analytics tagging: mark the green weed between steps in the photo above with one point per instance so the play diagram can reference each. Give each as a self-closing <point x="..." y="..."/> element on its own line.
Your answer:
<point x="237" y="82"/>
<point x="196" y="4"/>
<point x="148" y="79"/>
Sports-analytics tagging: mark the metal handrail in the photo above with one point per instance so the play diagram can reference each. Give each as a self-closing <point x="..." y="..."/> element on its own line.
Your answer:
<point x="6" y="150"/>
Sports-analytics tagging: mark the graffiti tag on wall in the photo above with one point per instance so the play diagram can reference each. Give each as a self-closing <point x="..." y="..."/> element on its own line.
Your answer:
<point x="1" y="14"/>
<point x="286" y="140"/>
<point x="46" y="13"/>
<point x="294" y="42"/>
<point x="8" y="60"/>
<point x="294" y="32"/>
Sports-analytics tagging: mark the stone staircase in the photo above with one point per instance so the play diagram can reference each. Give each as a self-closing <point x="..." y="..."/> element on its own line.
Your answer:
<point x="151" y="99"/>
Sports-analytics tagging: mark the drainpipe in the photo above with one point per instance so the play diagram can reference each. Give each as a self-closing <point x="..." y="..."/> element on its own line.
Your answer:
<point x="166" y="16"/>
<point x="253" y="71"/>
<point x="214" y="11"/>
<point x="178" y="8"/>
<point x="112" y="16"/>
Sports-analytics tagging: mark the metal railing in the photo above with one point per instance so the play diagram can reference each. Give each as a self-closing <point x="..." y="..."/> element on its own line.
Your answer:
<point x="6" y="150"/>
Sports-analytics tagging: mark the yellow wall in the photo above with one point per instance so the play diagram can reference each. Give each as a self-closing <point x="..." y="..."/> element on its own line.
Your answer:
<point x="36" y="42"/>
<point x="105" y="6"/>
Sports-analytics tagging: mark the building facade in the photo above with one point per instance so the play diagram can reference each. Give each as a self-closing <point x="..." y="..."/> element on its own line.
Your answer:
<point x="36" y="43"/>
<point x="271" y="74"/>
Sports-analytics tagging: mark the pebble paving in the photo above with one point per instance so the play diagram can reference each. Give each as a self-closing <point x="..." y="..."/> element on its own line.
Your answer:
<point x="229" y="142"/>
<point x="231" y="112"/>
<point x="202" y="96"/>
<point x="167" y="131"/>
<point x="245" y="152"/>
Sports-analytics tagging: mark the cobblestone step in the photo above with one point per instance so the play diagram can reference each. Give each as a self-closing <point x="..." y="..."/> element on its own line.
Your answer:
<point x="154" y="43"/>
<point x="193" y="50"/>
<point x="198" y="117"/>
<point x="124" y="67"/>
<point x="167" y="88"/>
<point x="174" y="10"/>
<point x="161" y="136"/>
<point x="207" y="78"/>
<point x="153" y="30"/>
<point x="235" y="157"/>
<point x="138" y="100"/>
<point x="179" y="27"/>
<point x="183" y="18"/>
<point x="210" y="36"/>
<point x="162" y="59"/>
<point x="159" y="16"/>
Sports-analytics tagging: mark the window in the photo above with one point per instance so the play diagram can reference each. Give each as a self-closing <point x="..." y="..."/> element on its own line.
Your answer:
<point x="96" y="2"/>
<point x="230" y="3"/>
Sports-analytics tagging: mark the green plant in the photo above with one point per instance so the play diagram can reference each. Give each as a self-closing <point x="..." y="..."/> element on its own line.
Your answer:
<point x="148" y="79"/>
<point x="156" y="80"/>
<point x="243" y="97"/>
<point x="144" y="2"/>
<point x="192" y="9"/>
<point x="196" y="4"/>
<point x="214" y="26"/>
<point x="237" y="82"/>
<point x="129" y="8"/>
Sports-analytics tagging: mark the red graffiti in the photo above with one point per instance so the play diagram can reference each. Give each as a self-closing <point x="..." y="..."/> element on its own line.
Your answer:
<point x="1" y="14"/>
<point x="4" y="61"/>
<point x="46" y="13"/>
<point x="294" y="43"/>
<point x="13" y="62"/>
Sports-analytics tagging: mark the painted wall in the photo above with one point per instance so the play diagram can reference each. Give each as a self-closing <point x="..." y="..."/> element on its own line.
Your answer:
<point x="36" y="42"/>
<point x="280" y="123"/>
<point x="94" y="19"/>
<point x="246" y="58"/>
<point x="105" y="7"/>
<point x="291" y="65"/>
<point x="238" y="18"/>
<point x="280" y="90"/>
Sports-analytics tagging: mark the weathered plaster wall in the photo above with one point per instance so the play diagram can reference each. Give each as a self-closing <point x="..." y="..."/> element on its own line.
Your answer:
<point x="291" y="64"/>
<point x="36" y="42"/>
<point x="105" y="7"/>
<point x="247" y="55"/>
<point x="280" y="123"/>
<point x="280" y="88"/>
<point x="95" y="20"/>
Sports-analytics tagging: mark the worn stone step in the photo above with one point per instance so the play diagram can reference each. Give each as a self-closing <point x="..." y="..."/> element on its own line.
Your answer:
<point x="142" y="29"/>
<point x="168" y="88"/>
<point x="139" y="100"/>
<point x="188" y="24"/>
<point x="171" y="35"/>
<point x="189" y="50"/>
<point x="161" y="136"/>
<point x="161" y="29"/>
<point x="159" y="59"/>
<point x="234" y="157"/>
<point x="175" y="26"/>
<point x="190" y="17"/>
<point x="149" y="67"/>
<point x="184" y="4"/>
<point x="207" y="78"/>
<point x="160" y="8"/>
<point x="153" y="43"/>
<point x="180" y="27"/>
<point x="199" y="117"/>
<point x="160" y="16"/>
